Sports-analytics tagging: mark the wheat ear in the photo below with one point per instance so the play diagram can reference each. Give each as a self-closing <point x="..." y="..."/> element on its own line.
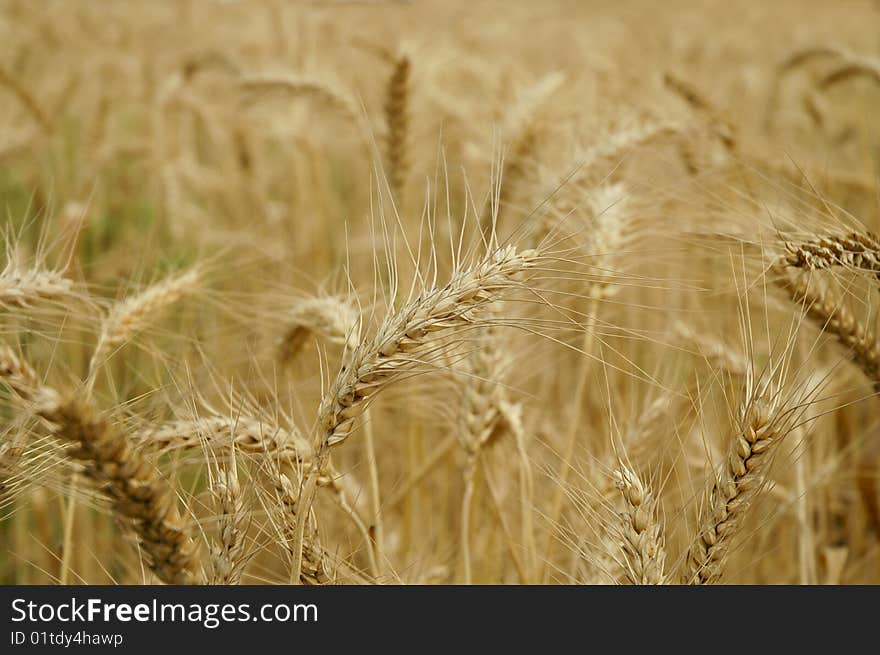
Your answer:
<point x="833" y="317"/>
<point x="795" y="60"/>
<point x="248" y="435"/>
<point x="854" y="250"/>
<point x="397" y="125"/>
<point x="480" y="419"/>
<point x="298" y="532"/>
<point x="227" y="554"/>
<point x="330" y="319"/>
<point x="716" y="352"/>
<point x="610" y="218"/>
<point x="641" y="531"/>
<point x="521" y="126"/>
<point x="595" y="161"/>
<point x="286" y="448"/>
<point x="19" y="288"/>
<point x="133" y="314"/>
<point x="482" y="396"/>
<point x="733" y="491"/>
<point x="137" y="494"/>
<point x="722" y="127"/>
<point x="407" y="336"/>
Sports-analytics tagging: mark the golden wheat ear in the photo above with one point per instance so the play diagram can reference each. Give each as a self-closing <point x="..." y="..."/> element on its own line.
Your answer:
<point x="410" y="334"/>
<point x="734" y="489"/>
<point x="29" y="283"/>
<point x="329" y="319"/>
<point x="217" y="434"/>
<point x="141" y="498"/>
<point x="832" y="316"/>
<point x="640" y="532"/>
<point x="521" y="129"/>
<point x="228" y="556"/>
<point x="295" y="524"/>
<point x="22" y="288"/>
<point x="397" y="126"/>
<point x="858" y="251"/>
<point x="721" y="126"/>
<point x="480" y="422"/>
<point x="128" y="317"/>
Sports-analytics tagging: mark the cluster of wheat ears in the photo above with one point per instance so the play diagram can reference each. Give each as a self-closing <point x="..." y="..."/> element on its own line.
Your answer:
<point x="314" y="293"/>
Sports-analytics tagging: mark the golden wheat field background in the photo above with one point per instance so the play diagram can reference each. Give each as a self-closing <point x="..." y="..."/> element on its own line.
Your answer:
<point x="338" y="292"/>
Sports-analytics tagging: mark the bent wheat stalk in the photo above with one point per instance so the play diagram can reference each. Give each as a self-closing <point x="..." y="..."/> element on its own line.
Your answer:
<point x="320" y="91"/>
<point x="405" y="338"/>
<point x="408" y="337"/>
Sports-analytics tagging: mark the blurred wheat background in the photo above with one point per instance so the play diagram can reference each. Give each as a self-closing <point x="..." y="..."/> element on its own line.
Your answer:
<point x="439" y="292"/>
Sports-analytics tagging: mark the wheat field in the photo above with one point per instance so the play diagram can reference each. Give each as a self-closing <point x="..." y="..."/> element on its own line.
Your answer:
<point x="332" y="292"/>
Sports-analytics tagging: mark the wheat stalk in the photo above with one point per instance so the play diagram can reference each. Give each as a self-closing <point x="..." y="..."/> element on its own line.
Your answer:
<point x="26" y="98"/>
<point x="406" y="336"/>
